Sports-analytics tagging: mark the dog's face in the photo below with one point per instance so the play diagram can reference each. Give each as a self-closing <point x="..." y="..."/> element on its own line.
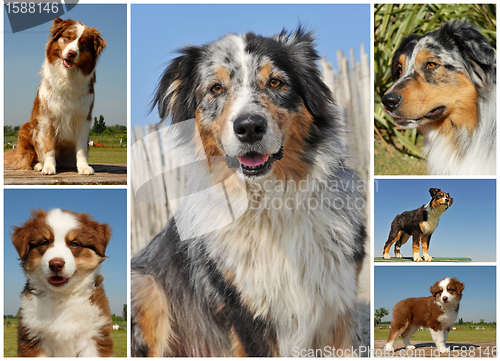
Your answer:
<point x="436" y="76"/>
<point x="440" y="198"/>
<point x="260" y="102"/>
<point x="74" y="44"/>
<point x="58" y="248"/>
<point x="447" y="291"/>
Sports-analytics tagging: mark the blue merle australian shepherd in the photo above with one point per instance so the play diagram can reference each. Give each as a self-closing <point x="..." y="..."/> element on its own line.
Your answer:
<point x="277" y="281"/>
<point x="445" y="84"/>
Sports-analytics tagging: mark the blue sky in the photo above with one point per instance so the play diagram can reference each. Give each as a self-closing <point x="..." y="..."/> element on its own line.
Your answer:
<point x="395" y="283"/>
<point x="466" y="229"/>
<point x="106" y="206"/>
<point x="159" y="30"/>
<point x="25" y="52"/>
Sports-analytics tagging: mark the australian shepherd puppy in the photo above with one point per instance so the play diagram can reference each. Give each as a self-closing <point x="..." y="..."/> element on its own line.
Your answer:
<point x="420" y="224"/>
<point x="445" y="84"/>
<point x="58" y="129"/>
<point x="437" y="313"/>
<point x="267" y="280"/>
<point x="64" y="310"/>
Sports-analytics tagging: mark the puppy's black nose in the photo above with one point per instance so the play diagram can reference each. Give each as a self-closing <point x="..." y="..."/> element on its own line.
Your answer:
<point x="250" y="128"/>
<point x="391" y="101"/>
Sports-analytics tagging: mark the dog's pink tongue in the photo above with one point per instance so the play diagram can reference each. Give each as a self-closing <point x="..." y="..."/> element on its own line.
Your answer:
<point x="67" y="63"/>
<point x="253" y="160"/>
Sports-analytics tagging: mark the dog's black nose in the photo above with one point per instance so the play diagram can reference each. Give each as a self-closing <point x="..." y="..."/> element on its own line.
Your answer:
<point x="391" y="101"/>
<point x="250" y="128"/>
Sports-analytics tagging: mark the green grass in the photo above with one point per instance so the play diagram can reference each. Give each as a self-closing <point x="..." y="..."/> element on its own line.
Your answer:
<point x="103" y="155"/>
<point x="108" y="155"/>
<point x="10" y="342"/>
<point x="460" y="335"/>
<point x="392" y="162"/>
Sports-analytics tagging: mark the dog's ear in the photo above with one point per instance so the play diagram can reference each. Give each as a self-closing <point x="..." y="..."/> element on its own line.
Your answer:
<point x="451" y="202"/>
<point x="93" y="235"/>
<point x="56" y="28"/>
<point x="434" y="191"/>
<point x="175" y="94"/>
<point x="435" y="289"/>
<point x="474" y="47"/>
<point x="460" y="286"/>
<point x="99" y="43"/>
<point x="23" y="236"/>
<point x="301" y="59"/>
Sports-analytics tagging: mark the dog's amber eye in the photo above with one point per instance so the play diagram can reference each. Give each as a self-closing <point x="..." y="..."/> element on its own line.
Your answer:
<point x="44" y="243"/>
<point x="275" y="82"/>
<point x="74" y="244"/>
<point x="431" y="65"/>
<point x="216" y="89"/>
<point x="399" y="69"/>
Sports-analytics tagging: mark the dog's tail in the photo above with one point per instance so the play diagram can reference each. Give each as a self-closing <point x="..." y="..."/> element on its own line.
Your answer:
<point x="24" y="156"/>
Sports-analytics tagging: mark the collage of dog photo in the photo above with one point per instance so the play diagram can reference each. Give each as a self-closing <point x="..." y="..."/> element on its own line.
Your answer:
<point x="249" y="179"/>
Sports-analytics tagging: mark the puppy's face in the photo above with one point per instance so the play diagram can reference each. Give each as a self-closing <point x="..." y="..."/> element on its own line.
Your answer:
<point x="447" y="291"/>
<point x="440" y="198"/>
<point x="251" y="97"/>
<point x="59" y="248"/>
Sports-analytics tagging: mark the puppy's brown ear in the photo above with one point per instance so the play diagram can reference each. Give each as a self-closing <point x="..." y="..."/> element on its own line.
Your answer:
<point x="451" y="202"/>
<point x="460" y="286"/>
<point x="23" y="236"/>
<point x="21" y="244"/>
<point x="433" y="191"/>
<point x="435" y="289"/>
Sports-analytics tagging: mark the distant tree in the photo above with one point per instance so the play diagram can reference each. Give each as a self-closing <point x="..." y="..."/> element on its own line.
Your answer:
<point x="99" y="125"/>
<point x="380" y="313"/>
<point x="124" y="312"/>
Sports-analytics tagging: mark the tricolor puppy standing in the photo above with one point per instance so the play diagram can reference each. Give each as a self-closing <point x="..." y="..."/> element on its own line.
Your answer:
<point x="64" y="310"/>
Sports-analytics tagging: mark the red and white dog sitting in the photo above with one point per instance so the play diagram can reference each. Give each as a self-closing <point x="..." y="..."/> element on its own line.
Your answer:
<point x="64" y="310"/>
<point x="437" y="313"/>
<point x="58" y="130"/>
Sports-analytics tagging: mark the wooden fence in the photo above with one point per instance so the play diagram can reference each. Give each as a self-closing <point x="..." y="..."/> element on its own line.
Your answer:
<point x="150" y="211"/>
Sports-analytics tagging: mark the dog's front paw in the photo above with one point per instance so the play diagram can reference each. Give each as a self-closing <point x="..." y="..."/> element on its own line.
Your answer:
<point x="399" y="255"/>
<point x="388" y="347"/>
<point x="427" y="258"/>
<point x="38" y="167"/>
<point x="48" y="169"/>
<point x="87" y="170"/>
<point x="386" y="256"/>
<point x="443" y="349"/>
<point x="417" y="258"/>
<point x="410" y="347"/>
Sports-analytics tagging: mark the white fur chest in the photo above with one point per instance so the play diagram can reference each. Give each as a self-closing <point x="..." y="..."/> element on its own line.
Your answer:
<point x="448" y="318"/>
<point x="433" y="215"/>
<point x="65" y="325"/>
<point x="289" y="270"/>
<point x="68" y="97"/>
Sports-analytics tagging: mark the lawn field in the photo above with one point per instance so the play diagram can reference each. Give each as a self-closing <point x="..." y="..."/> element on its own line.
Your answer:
<point x="108" y="155"/>
<point x="460" y="335"/>
<point x="105" y="155"/>
<point x="10" y="342"/>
